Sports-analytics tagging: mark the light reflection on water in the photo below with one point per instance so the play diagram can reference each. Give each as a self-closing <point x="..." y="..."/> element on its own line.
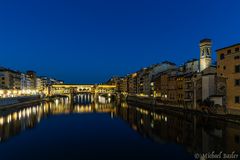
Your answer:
<point x="15" y="121"/>
<point x="197" y="134"/>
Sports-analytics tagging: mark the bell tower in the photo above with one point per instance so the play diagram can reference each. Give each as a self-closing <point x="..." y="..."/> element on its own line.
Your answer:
<point x="205" y="54"/>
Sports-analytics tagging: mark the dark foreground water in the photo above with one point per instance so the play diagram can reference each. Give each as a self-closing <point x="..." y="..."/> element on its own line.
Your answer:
<point x="89" y="130"/>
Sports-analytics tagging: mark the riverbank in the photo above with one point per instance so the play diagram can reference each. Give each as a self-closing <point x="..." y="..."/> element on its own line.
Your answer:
<point x="151" y="103"/>
<point x="20" y="102"/>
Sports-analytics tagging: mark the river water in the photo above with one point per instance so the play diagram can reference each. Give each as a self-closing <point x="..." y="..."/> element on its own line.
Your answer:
<point x="107" y="130"/>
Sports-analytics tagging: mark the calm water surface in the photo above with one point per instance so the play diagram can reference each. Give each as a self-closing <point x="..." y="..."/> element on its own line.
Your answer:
<point x="105" y="130"/>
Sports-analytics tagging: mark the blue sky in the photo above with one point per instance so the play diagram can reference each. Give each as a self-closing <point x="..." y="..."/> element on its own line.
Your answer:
<point x="89" y="41"/>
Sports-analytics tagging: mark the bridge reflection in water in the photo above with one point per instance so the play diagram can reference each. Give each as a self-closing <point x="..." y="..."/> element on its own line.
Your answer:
<point x="12" y="122"/>
<point x="196" y="133"/>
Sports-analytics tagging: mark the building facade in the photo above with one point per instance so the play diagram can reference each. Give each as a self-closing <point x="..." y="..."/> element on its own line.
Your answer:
<point x="132" y="83"/>
<point x="191" y="66"/>
<point x="39" y="84"/>
<point x="124" y="85"/>
<point x="10" y="79"/>
<point x="146" y="77"/>
<point x="26" y="83"/>
<point x="33" y="76"/>
<point x="228" y="66"/>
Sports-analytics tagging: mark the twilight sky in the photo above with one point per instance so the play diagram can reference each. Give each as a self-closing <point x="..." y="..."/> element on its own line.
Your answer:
<point x="88" y="41"/>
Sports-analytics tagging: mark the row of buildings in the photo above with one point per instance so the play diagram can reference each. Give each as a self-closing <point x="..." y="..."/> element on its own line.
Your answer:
<point x="192" y="84"/>
<point x="13" y="83"/>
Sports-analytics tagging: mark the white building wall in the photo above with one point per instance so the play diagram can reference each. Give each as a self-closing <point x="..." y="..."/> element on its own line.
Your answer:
<point x="26" y="83"/>
<point x="192" y="66"/>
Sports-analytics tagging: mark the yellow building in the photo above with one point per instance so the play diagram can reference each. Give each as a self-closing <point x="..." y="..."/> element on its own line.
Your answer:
<point x="10" y="79"/>
<point x="228" y="66"/>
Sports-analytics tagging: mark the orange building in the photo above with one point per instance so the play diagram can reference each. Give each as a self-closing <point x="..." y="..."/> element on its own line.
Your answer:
<point x="228" y="66"/>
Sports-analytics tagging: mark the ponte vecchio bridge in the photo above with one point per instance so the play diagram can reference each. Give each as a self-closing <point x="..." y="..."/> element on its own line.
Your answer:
<point x="68" y="89"/>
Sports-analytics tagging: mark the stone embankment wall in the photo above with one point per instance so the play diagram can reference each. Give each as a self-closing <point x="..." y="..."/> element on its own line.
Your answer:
<point x="231" y="114"/>
<point x="16" y="100"/>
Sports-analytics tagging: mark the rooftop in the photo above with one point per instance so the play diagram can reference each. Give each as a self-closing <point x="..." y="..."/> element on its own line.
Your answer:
<point x="237" y="44"/>
<point x="9" y="70"/>
<point x="168" y="62"/>
<point x="205" y="40"/>
<point x="191" y="60"/>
